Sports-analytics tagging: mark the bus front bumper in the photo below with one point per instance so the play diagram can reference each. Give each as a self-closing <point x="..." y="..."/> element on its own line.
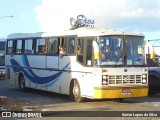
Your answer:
<point x="120" y="92"/>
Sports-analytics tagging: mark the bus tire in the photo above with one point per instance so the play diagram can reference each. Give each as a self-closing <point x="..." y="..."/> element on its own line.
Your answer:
<point x="21" y="82"/>
<point x="75" y="92"/>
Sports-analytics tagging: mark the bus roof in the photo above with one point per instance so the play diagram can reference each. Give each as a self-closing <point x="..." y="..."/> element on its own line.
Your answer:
<point x="80" y="32"/>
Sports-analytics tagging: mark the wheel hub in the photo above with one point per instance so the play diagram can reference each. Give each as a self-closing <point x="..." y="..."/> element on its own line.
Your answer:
<point x="76" y="90"/>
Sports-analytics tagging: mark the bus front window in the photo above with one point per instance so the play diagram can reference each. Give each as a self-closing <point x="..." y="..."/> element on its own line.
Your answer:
<point x="135" y="52"/>
<point x="111" y="52"/>
<point x="121" y="50"/>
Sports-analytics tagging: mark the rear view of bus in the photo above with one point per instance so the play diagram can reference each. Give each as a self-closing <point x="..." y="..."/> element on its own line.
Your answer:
<point x="2" y="58"/>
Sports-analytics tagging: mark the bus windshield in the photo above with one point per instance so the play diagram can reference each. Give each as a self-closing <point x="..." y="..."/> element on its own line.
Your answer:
<point x="121" y="50"/>
<point x="135" y="51"/>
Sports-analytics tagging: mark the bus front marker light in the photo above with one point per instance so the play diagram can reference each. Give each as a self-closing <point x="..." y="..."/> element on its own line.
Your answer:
<point x="144" y="76"/>
<point x="144" y="81"/>
<point x="104" y="77"/>
<point x="104" y="82"/>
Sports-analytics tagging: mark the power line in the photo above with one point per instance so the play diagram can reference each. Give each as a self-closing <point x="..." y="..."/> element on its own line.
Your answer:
<point x="6" y="16"/>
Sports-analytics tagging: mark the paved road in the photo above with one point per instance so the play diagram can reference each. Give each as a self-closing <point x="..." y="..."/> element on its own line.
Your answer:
<point x="31" y="98"/>
<point x="52" y="101"/>
<point x="46" y="101"/>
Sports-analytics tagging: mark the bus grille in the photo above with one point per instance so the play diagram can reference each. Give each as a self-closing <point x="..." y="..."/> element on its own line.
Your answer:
<point x="124" y="79"/>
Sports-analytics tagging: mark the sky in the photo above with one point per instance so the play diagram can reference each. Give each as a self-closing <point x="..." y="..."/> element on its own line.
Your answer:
<point x="24" y="16"/>
<point x="139" y="16"/>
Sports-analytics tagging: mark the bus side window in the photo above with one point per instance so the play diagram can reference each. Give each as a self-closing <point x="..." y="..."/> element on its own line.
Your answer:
<point x="41" y="49"/>
<point x="71" y="45"/>
<point x="62" y="47"/>
<point x="19" y="46"/>
<point x="67" y="46"/>
<point x="10" y="46"/>
<point x="9" y="50"/>
<point x="89" y="53"/>
<point x="62" y="50"/>
<point x="53" y="45"/>
<point x="28" y="46"/>
<point x="80" y="50"/>
<point x="40" y="46"/>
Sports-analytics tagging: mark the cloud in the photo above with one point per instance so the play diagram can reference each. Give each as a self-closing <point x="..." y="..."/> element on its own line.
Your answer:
<point x="132" y="15"/>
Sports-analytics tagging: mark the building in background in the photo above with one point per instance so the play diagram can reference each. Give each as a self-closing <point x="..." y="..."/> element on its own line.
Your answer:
<point x="152" y="53"/>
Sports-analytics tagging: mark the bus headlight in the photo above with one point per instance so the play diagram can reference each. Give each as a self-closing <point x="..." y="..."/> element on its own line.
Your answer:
<point x="144" y="81"/>
<point x="144" y="76"/>
<point x="104" y="80"/>
<point x="104" y="77"/>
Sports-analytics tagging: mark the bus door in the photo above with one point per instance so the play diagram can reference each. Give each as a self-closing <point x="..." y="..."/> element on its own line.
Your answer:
<point x="85" y="59"/>
<point x="67" y="62"/>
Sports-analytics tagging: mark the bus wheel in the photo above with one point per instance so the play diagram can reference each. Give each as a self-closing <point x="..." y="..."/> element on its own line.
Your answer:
<point x="76" y="92"/>
<point x="21" y="82"/>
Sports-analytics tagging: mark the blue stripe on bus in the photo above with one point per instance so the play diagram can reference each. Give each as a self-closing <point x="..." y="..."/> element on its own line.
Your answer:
<point x="32" y="76"/>
<point x="49" y="84"/>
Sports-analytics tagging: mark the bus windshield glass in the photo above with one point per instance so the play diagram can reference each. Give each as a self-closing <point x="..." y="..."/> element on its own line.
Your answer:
<point x="135" y="52"/>
<point x="121" y="50"/>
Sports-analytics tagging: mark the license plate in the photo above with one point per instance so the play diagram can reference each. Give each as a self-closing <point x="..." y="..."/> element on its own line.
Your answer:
<point x="126" y="91"/>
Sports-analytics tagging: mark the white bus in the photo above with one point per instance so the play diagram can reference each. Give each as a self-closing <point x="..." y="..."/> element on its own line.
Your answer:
<point x="83" y="63"/>
<point x="2" y="58"/>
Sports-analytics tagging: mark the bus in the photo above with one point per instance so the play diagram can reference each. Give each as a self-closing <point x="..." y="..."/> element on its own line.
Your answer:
<point x="94" y="63"/>
<point x="2" y="58"/>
